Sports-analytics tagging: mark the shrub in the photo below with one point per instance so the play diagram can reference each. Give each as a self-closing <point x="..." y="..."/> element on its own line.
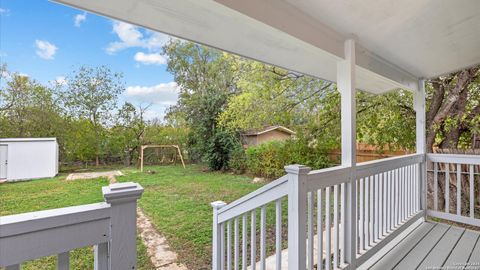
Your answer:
<point x="238" y="159"/>
<point x="269" y="159"/>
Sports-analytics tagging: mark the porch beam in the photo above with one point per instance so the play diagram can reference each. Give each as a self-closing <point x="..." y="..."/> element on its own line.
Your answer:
<point x="346" y="86"/>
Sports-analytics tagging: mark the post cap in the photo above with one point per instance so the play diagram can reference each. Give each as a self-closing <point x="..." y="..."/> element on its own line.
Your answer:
<point x="122" y="192"/>
<point x="218" y="204"/>
<point x="297" y="169"/>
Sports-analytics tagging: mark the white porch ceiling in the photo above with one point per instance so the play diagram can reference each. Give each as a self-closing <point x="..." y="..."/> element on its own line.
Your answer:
<point x="397" y="41"/>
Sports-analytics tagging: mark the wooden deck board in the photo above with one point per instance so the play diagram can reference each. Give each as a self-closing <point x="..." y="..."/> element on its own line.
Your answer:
<point x="394" y="256"/>
<point x="432" y="246"/>
<point x="423" y="248"/>
<point x="475" y="256"/>
<point x="439" y="254"/>
<point x="462" y="251"/>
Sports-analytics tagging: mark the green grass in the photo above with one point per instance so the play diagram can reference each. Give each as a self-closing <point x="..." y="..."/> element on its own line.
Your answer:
<point x="51" y="193"/>
<point x="178" y="202"/>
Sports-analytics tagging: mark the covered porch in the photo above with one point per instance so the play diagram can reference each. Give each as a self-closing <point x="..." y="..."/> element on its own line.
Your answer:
<point x="372" y="215"/>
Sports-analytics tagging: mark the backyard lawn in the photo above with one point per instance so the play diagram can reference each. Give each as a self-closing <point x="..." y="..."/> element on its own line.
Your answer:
<point x="177" y="201"/>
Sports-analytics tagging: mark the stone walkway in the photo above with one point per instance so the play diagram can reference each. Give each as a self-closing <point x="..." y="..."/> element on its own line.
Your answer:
<point x="161" y="256"/>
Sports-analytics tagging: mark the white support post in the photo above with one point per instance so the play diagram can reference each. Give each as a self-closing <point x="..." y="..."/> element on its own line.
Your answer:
<point x="122" y="198"/>
<point x="297" y="216"/>
<point x="346" y="86"/>
<point x="217" y="237"/>
<point x="419" y="106"/>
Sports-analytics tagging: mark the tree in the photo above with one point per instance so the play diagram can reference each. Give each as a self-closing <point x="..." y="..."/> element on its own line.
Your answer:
<point x="453" y="113"/>
<point x="92" y="93"/>
<point x="206" y="81"/>
<point x="129" y="129"/>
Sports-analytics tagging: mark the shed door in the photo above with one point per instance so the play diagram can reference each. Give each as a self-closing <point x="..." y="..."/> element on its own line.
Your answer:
<point x="3" y="161"/>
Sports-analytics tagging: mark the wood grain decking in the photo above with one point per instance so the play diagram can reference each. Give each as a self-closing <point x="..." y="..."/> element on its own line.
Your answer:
<point x="434" y="246"/>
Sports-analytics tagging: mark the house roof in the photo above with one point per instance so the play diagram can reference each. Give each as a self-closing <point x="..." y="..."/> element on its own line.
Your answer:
<point x="397" y="42"/>
<point x="26" y="139"/>
<point x="268" y="129"/>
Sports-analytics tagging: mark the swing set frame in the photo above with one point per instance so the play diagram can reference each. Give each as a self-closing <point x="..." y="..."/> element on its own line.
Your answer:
<point x="160" y="146"/>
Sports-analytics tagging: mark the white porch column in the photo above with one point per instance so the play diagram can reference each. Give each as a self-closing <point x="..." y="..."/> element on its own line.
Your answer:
<point x="346" y="86"/>
<point x="419" y="106"/>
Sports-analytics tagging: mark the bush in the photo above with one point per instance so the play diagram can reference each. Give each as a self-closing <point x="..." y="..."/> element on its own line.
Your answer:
<point x="269" y="159"/>
<point x="238" y="160"/>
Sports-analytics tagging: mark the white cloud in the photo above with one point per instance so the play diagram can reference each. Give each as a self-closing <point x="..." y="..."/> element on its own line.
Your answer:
<point x="131" y="36"/>
<point x="60" y="80"/>
<point x="161" y="94"/>
<point x="150" y="58"/>
<point x="79" y="19"/>
<point x="45" y="49"/>
<point x="4" y="11"/>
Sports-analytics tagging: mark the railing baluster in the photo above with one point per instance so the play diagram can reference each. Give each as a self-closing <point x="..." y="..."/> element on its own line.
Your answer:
<point x="235" y="245"/>
<point x="459" y="189"/>
<point x="361" y="216"/>
<point x="263" y="237"/>
<point x="63" y="261"/>
<point x="100" y="255"/>
<point x="389" y="202"/>
<point x="381" y="205"/>
<point x="328" y="257"/>
<point x="253" y="240"/>
<point x="397" y="197"/>
<point x="447" y="188"/>
<point x="472" y="191"/>
<point x="435" y="186"/>
<point x="229" y="245"/>
<point x="343" y="208"/>
<point x="372" y="211"/>
<point x="335" y="226"/>
<point x="222" y="246"/>
<point x="377" y="198"/>
<point x="244" y="241"/>
<point x="366" y="220"/>
<point x="278" y="238"/>
<point x="401" y="205"/>
<point x="319" y="229"/>
<point x="310" y="230"/>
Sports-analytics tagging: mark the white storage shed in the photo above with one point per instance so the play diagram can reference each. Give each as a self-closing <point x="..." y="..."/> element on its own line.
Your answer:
<point x="28" y="158"/>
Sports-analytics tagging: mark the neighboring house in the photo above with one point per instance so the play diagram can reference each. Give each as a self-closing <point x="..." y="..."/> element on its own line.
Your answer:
<point x="271" y="133"/>
<point x="28" y="158"/>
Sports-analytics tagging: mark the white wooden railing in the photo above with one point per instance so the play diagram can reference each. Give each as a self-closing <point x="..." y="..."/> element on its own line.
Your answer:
<point x="386" y="197"/>
<point x="455" y="176"/>
<point x="109" y="226"/>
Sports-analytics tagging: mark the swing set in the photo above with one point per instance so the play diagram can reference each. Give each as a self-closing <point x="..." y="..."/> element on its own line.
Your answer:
<point x="159" y="146"/>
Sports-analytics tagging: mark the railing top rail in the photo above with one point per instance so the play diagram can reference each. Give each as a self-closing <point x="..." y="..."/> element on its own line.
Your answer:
<point x="382" y="165"/>
<point x="455" y="158"/>
<point x="41" y="220"/>
<point x="328" y="177"/>
<point x="280" y="181"/>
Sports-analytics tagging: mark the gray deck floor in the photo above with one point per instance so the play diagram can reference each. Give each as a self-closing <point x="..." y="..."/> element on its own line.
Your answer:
<point x="434" y="246"/>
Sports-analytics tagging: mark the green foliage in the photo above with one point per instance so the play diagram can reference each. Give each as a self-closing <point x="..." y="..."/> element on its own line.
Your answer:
<point x="238" y="159"/>
<point x="269" y="159"/>
<point x="206" y="81"/>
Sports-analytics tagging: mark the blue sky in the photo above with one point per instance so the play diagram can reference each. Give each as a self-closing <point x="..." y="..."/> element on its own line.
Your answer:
<point x="46" y="41"/>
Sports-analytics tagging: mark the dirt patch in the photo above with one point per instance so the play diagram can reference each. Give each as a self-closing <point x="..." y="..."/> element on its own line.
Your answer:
<point x="89" y="175"/>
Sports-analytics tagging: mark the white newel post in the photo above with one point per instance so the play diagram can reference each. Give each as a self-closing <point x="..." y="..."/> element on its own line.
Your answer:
<point x="346" y="86"/>
<point x="217" y="237"/>
<point x="419" y="106"/>
<point x="122" y="198"/>
<point x="297" y="215"/>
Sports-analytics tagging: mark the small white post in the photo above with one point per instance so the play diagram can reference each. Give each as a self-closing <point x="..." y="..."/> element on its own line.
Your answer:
<point x="419" y="106"/>
<point x="297" y="215"/>
<point x="122" y="198"/>
<point x="346" y="86"/>
<point x="217" y="236"/>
